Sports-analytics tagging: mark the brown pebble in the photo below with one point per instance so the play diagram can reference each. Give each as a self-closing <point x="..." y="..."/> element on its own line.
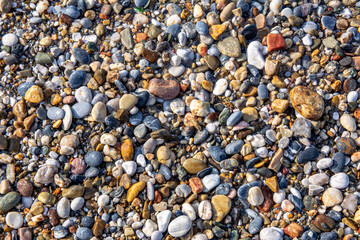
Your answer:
<point x="25" y="233"/>
<point x="24" y="187"/>
<point x="98" y="227"/>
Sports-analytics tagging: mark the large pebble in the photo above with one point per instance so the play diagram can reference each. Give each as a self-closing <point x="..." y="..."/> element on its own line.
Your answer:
<point x="339" y="181"/>
<point x="332" y="197"/>
<point x="179" y="226"/>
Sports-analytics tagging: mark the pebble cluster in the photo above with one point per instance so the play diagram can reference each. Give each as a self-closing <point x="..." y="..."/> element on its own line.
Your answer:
<point x="191" y="119"/>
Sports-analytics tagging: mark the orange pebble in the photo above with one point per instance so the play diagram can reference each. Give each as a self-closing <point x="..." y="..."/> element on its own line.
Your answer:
<point x="141" y="36"/>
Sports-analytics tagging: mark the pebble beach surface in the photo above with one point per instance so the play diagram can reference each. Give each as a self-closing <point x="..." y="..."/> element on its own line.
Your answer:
<point x="191" y="119"/>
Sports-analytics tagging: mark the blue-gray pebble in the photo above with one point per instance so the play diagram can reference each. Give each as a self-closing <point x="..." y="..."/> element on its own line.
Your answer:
<point x="217" y="153"/>
<point x="234" y="118"/>
<point x="71" y="11"/>
<point x="141" y="3"/>
<point x="81" y="109"/>
<point x="84" y="233"/>
<point x="262" y="91"/>
<point x="234" y="147"/>
<point x="55" y="113"/>
<point x="255" y="225"/>
<point x="152" y="122"/>
<point x="22" y="88"/>
<point x="77" y="78"/>
<point x="81" y="55"/>
<point x="202" y="28"/>
<point x="328" y="22"/>
<point x="93" y="158"/>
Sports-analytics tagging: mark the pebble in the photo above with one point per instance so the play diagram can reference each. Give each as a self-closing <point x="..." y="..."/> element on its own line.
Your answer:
<point x="63" y="207"/>
<point x="339" y="181"/>
<point x="331" y="197"/>
<point x="77" y="78"/>
<point x="179" y="226"/>
<point x="55" y="113"/>
<point x="9" y="39"/>
<point x="80" y="110"/>
<point x="14" y="220"/>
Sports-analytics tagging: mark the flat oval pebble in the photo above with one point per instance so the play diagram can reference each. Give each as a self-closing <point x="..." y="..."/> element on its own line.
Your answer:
<point x="179" y="226"/>
<point x="339" y="181"/>
<point x="81" y="109"/>
<point x="9" y="39"/>
<point x="55" y="113"/>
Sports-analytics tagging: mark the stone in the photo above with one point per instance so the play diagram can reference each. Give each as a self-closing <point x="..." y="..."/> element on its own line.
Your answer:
<point x="179" y="226"/>
<point x="230" y="47"/>
<point x="127" y="150"/>
<point x="270" y="234"/>
<point x="339" y="180"/>
<point x="249" y="31"/>
<point x="55" y="113"/>
<point x="93" y="158"/>
<point x="5" y="6"/>
<point x="63" y="207"/>
<point x="255" y="196"/>
<point x="348" y="122"/>
<point x="98" y="227"/>
<point x="193" y="165"/>
<point x="221" y="206"/>
<point x="216" y="30"/>
<point x="294" y="230"/>
<point x="45" y="174"/>
<point x="14" y="220"/>
<point x="330" y="42"/>
<point x="272" y="67"/>
<point x="126" y="38"/>
<point x="25" y="233"/>
<point x="77" y="78"/>
<point x="212" y="62"/>
<point x="275" y="42"/>
<point x="272" y="183"/>
<point x="255" y="53"/>
<point x="163" y="220"/>
<point x="43" y="58"/>
<point x="255" y="225"/>
<point x="220" y="86"/>
<point x="77" y="203"/>
<point x="210" y="181"/>
<point x="24" y="187"/>
<point x="84" y="233"/>
<point x="319" y="179"/>
<point x="9" y="39"/>
<point x="134" y="190"/>
<point x="199" y="108"/>
<point x="73" y="191"/>
<point x="81" y="55"/>
<point x="307" y="102"/>
<point x="34" y="95"/>
<point x="249" y="114"/>
<point x="332" y="197"/>
<point x="205" y="210"/>
<point x="307" y="155"/>
<point x="234" y="147"/>
<point x="165" y="89"/>
<point x="280" y="105"/>
<point x="99" y="112"/>
<point x="346" y="145"/>
<point x="324" y="223"/>
<point x="328" y="22"/>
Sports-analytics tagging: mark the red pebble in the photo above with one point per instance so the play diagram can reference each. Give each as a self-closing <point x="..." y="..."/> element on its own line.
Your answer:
<point x="275" y="42"/>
